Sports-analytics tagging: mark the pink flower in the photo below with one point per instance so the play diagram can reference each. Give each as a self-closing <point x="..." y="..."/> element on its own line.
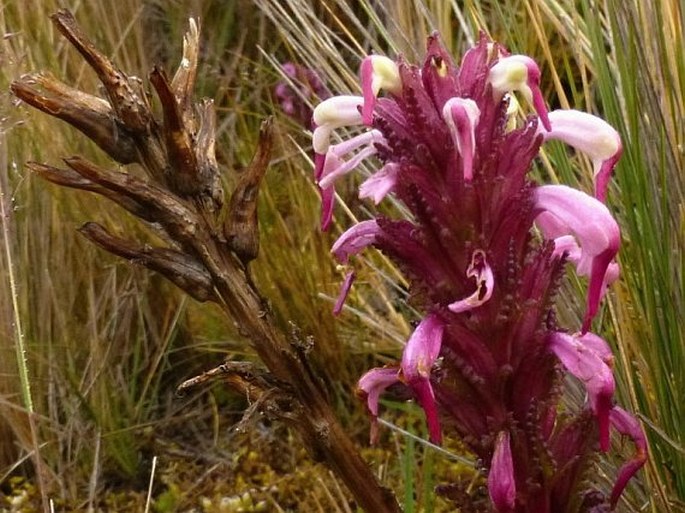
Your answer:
<point x="519" y="73"/>
<point x="419" y="355"/>
<point x="350" y="243"/>
<point x="501" y="480"/>
<point x="370" y="387"/>
<point x="566" y="211"/>
<point x="377" y="72"/>
<point x="587" y="357"/>
<point x="461" y="116"/>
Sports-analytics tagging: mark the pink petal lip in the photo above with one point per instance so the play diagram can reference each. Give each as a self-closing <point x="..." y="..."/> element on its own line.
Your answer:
<point x="485" y="283"/>
<point x="378" y="185"/>
<point x="355" y="239"/>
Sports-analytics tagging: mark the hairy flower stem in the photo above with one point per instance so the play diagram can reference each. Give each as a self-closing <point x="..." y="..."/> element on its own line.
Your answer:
<point x="209" y="241"/>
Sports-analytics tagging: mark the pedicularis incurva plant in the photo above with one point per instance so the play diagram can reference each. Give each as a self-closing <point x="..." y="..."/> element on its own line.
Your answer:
<point x="485" y="249"/>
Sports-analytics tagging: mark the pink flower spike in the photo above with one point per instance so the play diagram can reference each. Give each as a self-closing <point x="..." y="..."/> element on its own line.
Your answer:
<point x="628" y="425"/>
<point x="591" y="135"/>
<point x="344" y="291"/>
<point x="520" y="73"/>
<point x="593" y="226"/>
<point x="420" y="353"/>
<point x="580" y="359"/>
<point x="501" y="480"/>
<point x="461" y="116"/>
<point x="378" y="185"/>
<point x="485" y="282"/>
<point x="335" y="112"/>
<point x="355" y="239"/>
<point x="370" y="387"/>
<point x="377" y="72"/>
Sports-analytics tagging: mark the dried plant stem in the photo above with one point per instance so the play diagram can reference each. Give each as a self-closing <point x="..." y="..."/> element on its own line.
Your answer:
<point x="210" y="242"/>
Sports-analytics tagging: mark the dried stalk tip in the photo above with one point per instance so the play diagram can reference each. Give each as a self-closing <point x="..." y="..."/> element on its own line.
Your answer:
<point x="91" y="115"/>
<point x="181" y="269"/>
<point x="242" y="226"/>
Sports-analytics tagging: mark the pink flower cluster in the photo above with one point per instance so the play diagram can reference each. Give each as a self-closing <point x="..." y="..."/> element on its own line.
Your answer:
<point x="484" y="250"/>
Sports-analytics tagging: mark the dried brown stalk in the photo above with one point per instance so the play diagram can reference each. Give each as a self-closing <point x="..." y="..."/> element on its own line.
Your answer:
<point x="209" y="244"/>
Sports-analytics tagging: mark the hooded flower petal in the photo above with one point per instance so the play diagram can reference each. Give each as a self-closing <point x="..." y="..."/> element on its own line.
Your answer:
<point x="420" y="353"/>
<point x="461" y="116"/>
<point x="377" y="72"/>
<point x="378" y="185"/>
<point x="501" y="480"/>
<point x="485" y="282"/>
<point x="585" y="217"/>
<point x="577" y="354"/>
<point x="334" y="113"/>
<point x="371" y="386"/>
<point x="355" y="239"/>
<point x="629" y="426"/>
<point x="591" y="135"/>
<point x="520" y="73"/>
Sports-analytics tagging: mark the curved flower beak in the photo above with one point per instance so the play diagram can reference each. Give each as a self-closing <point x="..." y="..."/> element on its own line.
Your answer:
<point x="591" y="135"/>
<point x="485" y="282"/>
<point x="420" y="353"/>
<point x="567" y="211"/>
<point x="579" y="356"/>
<point x="520" y="73"/>
<point x="628" y="425"/>
<point x="377" y="72"/>
<point x="501" y="480"/>
<point x="461" y="116"/>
